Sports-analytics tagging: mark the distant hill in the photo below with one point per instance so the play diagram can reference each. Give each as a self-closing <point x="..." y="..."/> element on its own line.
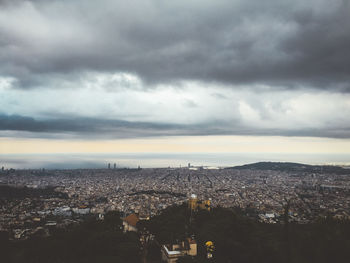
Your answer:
<point x="294" y="167"/>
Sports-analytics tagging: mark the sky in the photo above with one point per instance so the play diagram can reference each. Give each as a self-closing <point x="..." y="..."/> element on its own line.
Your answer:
<point x="153" y="76"/>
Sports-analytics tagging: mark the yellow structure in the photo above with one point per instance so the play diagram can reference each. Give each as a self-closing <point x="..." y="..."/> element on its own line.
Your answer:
<point x="205" y="205"/>
<point x="210" y="248"/>
<point x="194" y="204"/>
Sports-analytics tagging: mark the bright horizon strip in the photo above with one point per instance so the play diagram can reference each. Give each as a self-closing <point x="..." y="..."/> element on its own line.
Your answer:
<point x="178" y="144"/>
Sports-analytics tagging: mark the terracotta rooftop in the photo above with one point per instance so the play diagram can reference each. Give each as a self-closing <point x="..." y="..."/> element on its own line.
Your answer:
<point x="132" y="219"/>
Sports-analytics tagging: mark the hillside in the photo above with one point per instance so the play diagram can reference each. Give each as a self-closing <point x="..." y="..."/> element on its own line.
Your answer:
<point x="236" y="238"/>
<point x="294" y="167"/>
<point x="91" y="242"/>
<point x="11" y="192"/>
<point x="240" y="239"/>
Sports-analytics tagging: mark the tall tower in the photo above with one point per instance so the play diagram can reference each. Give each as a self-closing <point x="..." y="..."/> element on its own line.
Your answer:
<point x="109" y="166"/>
<point x="192" y="205"/>
<point x="192" y="202"/>
<point x="115" y="166"/>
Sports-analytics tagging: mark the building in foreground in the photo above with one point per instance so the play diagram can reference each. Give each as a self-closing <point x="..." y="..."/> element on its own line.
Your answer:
<point x="129" y="222"/>
<point x="172" y="252"/>
<point x="194" y="204"/>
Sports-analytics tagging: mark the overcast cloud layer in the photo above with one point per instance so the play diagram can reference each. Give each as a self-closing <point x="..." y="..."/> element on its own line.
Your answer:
<point x="149" y="68"/>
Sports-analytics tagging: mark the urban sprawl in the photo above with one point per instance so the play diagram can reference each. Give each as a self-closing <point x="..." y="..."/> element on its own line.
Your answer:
<point x="80" y="193"/>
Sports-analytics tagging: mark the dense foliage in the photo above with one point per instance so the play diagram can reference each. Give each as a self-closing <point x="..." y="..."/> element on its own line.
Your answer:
<point x="236" y="239"/>
<point x="239" y="239"/>
<point x="92" y="241"/>
<point x="11" y="192"/>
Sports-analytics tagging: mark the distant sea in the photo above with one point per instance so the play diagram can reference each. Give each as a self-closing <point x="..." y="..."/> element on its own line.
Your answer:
<point x="148" y="160"/>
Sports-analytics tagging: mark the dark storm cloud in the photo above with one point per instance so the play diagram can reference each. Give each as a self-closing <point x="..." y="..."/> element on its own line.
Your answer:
<point x="288" y="44"/>
<point x="21" y="126"/>
<point x="95" y="128"/>
<point x="81" y="125"/>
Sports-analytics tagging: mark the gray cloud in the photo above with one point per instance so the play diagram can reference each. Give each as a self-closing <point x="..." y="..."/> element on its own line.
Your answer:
<point x="84" y="126"/>
<point x="286" y="44"/>
<point x="79" y="127"/>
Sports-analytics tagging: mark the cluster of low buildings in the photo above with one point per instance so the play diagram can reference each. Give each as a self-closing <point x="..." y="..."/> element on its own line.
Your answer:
<point x="145" y="192"/>
<point x="172" y="252"/>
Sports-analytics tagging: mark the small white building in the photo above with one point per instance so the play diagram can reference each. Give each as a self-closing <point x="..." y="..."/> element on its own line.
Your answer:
<point x="171" y="253"/>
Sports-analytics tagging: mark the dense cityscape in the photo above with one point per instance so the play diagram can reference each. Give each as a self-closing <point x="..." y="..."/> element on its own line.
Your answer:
<point x="32" y="201"/>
